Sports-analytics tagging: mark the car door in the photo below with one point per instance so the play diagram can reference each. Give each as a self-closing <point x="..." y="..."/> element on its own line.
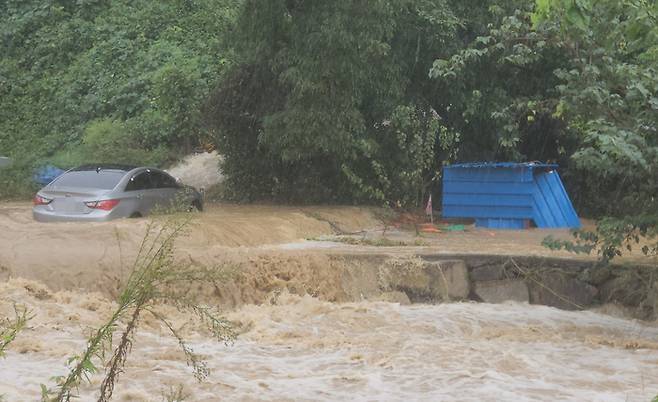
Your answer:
<point x="166" y="188"/>
<point x="141" y="188"/>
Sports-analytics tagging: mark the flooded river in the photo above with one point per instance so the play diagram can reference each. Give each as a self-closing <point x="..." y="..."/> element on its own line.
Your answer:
<point x="301" y="348"/>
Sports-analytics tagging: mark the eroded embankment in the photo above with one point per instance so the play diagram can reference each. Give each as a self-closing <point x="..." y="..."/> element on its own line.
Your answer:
<point x="407" y="277"/>
<point x="93" y="256"/>
<point x="427" y="278"/>
<point x="97" y="257"/>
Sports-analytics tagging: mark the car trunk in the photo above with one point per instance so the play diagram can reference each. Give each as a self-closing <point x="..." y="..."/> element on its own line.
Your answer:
<point x="72" y="202"/>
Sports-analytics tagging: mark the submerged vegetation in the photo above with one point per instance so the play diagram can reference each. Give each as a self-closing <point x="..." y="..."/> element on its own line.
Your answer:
<point x="343" y="101"/>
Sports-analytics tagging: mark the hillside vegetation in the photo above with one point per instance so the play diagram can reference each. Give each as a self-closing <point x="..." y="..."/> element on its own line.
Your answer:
<point x="97" y="80"/>
<point x="341" y="101"/>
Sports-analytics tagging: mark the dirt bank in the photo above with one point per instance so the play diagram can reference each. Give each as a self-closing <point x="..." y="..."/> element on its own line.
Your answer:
<point x="93" y="255"/>
<point x="88" y="255"/>
<point x="274" y="248"/>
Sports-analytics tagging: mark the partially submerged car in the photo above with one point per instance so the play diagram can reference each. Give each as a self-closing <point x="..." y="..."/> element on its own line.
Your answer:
<point x="104" y="192"/>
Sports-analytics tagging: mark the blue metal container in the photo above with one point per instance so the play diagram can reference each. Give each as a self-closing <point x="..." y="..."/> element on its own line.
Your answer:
<point x="507" y="195"/>
<point x="45" y="174"/>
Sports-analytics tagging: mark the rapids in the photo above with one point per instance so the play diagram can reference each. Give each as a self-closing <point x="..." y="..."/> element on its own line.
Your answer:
<point x="301" y="348"/>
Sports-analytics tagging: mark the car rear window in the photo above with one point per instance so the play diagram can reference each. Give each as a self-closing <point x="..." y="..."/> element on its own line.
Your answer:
<point x="103" y="179"/>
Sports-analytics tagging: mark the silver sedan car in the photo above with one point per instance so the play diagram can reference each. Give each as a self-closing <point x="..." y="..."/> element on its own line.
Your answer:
<point x="105" y="192"/>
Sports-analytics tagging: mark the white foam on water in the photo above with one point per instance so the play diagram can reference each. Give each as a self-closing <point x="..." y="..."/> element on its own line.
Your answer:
<point x="305" y="349"/>
<point x="305" y="245"/>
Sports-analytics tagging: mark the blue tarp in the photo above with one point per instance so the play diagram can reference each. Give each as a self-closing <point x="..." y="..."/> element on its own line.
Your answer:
<point x="507" y="195"/>
<point x="44" y="175"/>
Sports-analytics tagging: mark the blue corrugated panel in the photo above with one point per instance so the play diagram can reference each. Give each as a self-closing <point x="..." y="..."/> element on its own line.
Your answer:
<point x="501" y="223"/>
<point x="507" y="195"/>
<point x="553" y="207"/>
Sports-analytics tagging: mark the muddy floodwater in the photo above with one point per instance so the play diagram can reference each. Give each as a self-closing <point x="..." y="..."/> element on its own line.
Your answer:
<point x="301" y="348"/>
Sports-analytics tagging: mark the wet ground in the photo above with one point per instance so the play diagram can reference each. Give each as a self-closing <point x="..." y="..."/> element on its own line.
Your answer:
<point x="79" y="255"/>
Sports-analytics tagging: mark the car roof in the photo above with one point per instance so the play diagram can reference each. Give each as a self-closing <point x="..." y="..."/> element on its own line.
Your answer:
<point x="104" y="166"/>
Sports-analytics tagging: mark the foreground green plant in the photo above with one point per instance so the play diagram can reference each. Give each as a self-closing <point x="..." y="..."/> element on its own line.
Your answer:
<point x="155" y="278"/>
<point x="9" y="328"/>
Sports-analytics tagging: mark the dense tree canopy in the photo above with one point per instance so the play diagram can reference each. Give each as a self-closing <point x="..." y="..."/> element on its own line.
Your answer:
<point x="337" y="100"/>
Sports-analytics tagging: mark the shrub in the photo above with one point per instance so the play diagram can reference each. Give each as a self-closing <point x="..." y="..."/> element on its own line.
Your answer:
<point x="155" y="278"/>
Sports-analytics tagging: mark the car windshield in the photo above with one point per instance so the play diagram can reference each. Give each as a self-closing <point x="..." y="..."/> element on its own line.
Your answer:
<point x="103" y="179"/>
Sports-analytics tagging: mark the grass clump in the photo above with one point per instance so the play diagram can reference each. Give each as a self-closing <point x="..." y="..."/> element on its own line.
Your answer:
<point x="9" y="328"/>
<point x="155" y="278"/>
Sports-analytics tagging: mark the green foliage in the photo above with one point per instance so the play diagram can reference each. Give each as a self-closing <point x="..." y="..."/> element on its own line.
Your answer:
<point x="574" y="94"/>
<point x="609" y="97"/>
<point x="312" y="87"/>
<point x="343" y="101"/>
<point x="106" y="141"/>
<point x="575" y="82"/>
<point x="10" y="328"/>
<point x="613" y="237"/>
<point x="144" y="64"/>
<point x="109" y="141"/>
<point x="500" y="95"/>
<point x="396" y="162"/>
<point x="575" y="13"/>
<point x="15" y="181"/>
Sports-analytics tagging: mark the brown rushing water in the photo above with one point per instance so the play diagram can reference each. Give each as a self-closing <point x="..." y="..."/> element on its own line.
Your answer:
<point x="301" y="348"/>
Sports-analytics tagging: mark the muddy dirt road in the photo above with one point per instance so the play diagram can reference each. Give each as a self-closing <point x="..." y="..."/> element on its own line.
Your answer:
<point x="84" y="255"/>
<point x="91" y="255"/>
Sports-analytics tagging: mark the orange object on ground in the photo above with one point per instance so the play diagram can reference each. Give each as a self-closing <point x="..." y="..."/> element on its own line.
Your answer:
<point x="428" y="228"/>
